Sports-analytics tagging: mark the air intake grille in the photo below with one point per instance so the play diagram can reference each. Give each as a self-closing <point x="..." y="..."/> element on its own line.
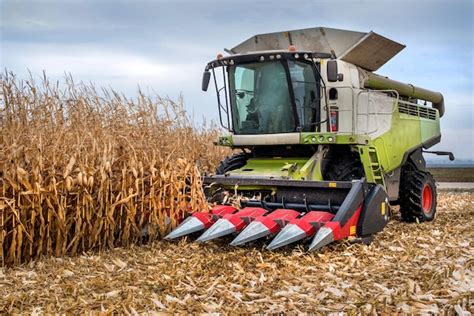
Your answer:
<point x="416" y="110"/>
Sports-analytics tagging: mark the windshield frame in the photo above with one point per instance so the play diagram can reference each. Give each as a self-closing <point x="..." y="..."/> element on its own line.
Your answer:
<point x="315" y="67"/>
<point x="310" y="58"/>
<point x="232" y="96"/>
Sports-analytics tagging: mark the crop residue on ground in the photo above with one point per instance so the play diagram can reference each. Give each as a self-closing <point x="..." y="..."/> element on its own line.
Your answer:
<point x="408" y="268"/>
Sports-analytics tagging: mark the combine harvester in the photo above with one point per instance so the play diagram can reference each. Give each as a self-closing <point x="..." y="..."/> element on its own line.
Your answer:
<point x="327" y="146"/>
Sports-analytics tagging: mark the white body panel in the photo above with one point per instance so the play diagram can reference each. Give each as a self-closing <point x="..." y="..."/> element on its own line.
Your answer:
<point x="267" y="139"/>
<point x="361" y="111"/>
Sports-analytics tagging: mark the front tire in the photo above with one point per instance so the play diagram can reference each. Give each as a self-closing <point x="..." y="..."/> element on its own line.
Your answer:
<point x="417" y="196"/>
<point x="230" y="163"/>
<point x="344" y="167"/>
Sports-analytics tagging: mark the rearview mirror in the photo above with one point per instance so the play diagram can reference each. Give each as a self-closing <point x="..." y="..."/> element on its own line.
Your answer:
<point x="333" y="76"/>
<point x="332" y="70"/>
<point x="206" y="76"/>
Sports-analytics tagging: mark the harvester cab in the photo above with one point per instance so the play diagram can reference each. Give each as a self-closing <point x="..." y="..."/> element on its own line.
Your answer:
<point x="326" y="146"/>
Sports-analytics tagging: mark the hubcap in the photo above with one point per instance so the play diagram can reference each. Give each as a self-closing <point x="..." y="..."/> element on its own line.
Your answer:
<point x="427" y="201"/>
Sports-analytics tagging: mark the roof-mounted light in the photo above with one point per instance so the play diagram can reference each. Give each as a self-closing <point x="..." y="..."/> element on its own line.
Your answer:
<point x="292" y="48"/>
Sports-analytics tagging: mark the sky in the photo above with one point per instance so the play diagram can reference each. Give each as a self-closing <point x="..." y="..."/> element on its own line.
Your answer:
<point x="162" y="46"/>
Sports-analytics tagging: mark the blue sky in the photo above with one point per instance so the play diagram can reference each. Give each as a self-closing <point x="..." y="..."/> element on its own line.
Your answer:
<point x="163" y="45"/>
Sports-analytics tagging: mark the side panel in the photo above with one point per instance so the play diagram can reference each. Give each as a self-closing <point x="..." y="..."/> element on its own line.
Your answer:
<point x="429" y="128"/>
<point x="407" y="132"/>
<point x="374" y="113"/>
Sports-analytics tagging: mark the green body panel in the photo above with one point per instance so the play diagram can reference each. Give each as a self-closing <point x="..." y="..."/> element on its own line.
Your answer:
<point x="283" y="168"/>
<point x="406" y="133"/>
<point x="280" y="168"/>
<point x="332" y="138"/>
<point x="311" y="138"/>
<point x="225" y="140"/>
<point x="312" y="169"/>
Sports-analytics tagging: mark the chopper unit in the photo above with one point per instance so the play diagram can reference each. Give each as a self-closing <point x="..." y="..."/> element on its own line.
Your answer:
<point x="326" y="145"/>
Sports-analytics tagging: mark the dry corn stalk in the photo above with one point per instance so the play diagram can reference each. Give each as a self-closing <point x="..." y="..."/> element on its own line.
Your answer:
<point x="87" y="170"/>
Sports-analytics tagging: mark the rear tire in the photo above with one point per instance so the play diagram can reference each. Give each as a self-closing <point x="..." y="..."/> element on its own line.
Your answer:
<point x="417" y="196"/>
<point x="231" y="163"/>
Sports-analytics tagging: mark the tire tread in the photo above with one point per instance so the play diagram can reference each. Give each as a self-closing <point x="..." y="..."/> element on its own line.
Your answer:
<point x="410" y="197"/>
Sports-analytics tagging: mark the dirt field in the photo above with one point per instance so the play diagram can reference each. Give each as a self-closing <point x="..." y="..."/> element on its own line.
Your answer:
<point x="408" y="268"/>
<point x="453" y="174"/>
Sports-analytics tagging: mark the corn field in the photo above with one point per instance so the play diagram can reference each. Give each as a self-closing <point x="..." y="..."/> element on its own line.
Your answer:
<point x="91" y="169"/>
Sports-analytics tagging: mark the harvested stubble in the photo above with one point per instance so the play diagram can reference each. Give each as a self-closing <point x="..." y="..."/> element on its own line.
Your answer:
<point x="409" y="268"/>
<point x="82" y="169"/>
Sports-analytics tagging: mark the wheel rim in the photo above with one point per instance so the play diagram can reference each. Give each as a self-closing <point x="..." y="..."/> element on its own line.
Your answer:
<point x="427" y="202"/>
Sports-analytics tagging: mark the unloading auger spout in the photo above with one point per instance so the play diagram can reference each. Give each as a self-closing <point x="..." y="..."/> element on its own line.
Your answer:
<point x="377" y="82"/>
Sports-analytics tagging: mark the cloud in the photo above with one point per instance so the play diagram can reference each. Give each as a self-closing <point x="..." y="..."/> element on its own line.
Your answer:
<point x="97" y="63"/>
<point x="84" y="60"/>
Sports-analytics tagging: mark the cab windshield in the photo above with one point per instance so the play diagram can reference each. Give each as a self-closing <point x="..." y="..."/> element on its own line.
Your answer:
<point x="262" y="102"/>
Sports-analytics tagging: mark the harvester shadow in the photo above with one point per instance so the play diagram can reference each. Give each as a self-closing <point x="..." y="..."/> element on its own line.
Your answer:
<point x="223" y="245"/>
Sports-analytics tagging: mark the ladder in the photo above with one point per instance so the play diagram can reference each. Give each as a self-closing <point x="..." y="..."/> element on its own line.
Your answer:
<point x="372" y="167"/>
